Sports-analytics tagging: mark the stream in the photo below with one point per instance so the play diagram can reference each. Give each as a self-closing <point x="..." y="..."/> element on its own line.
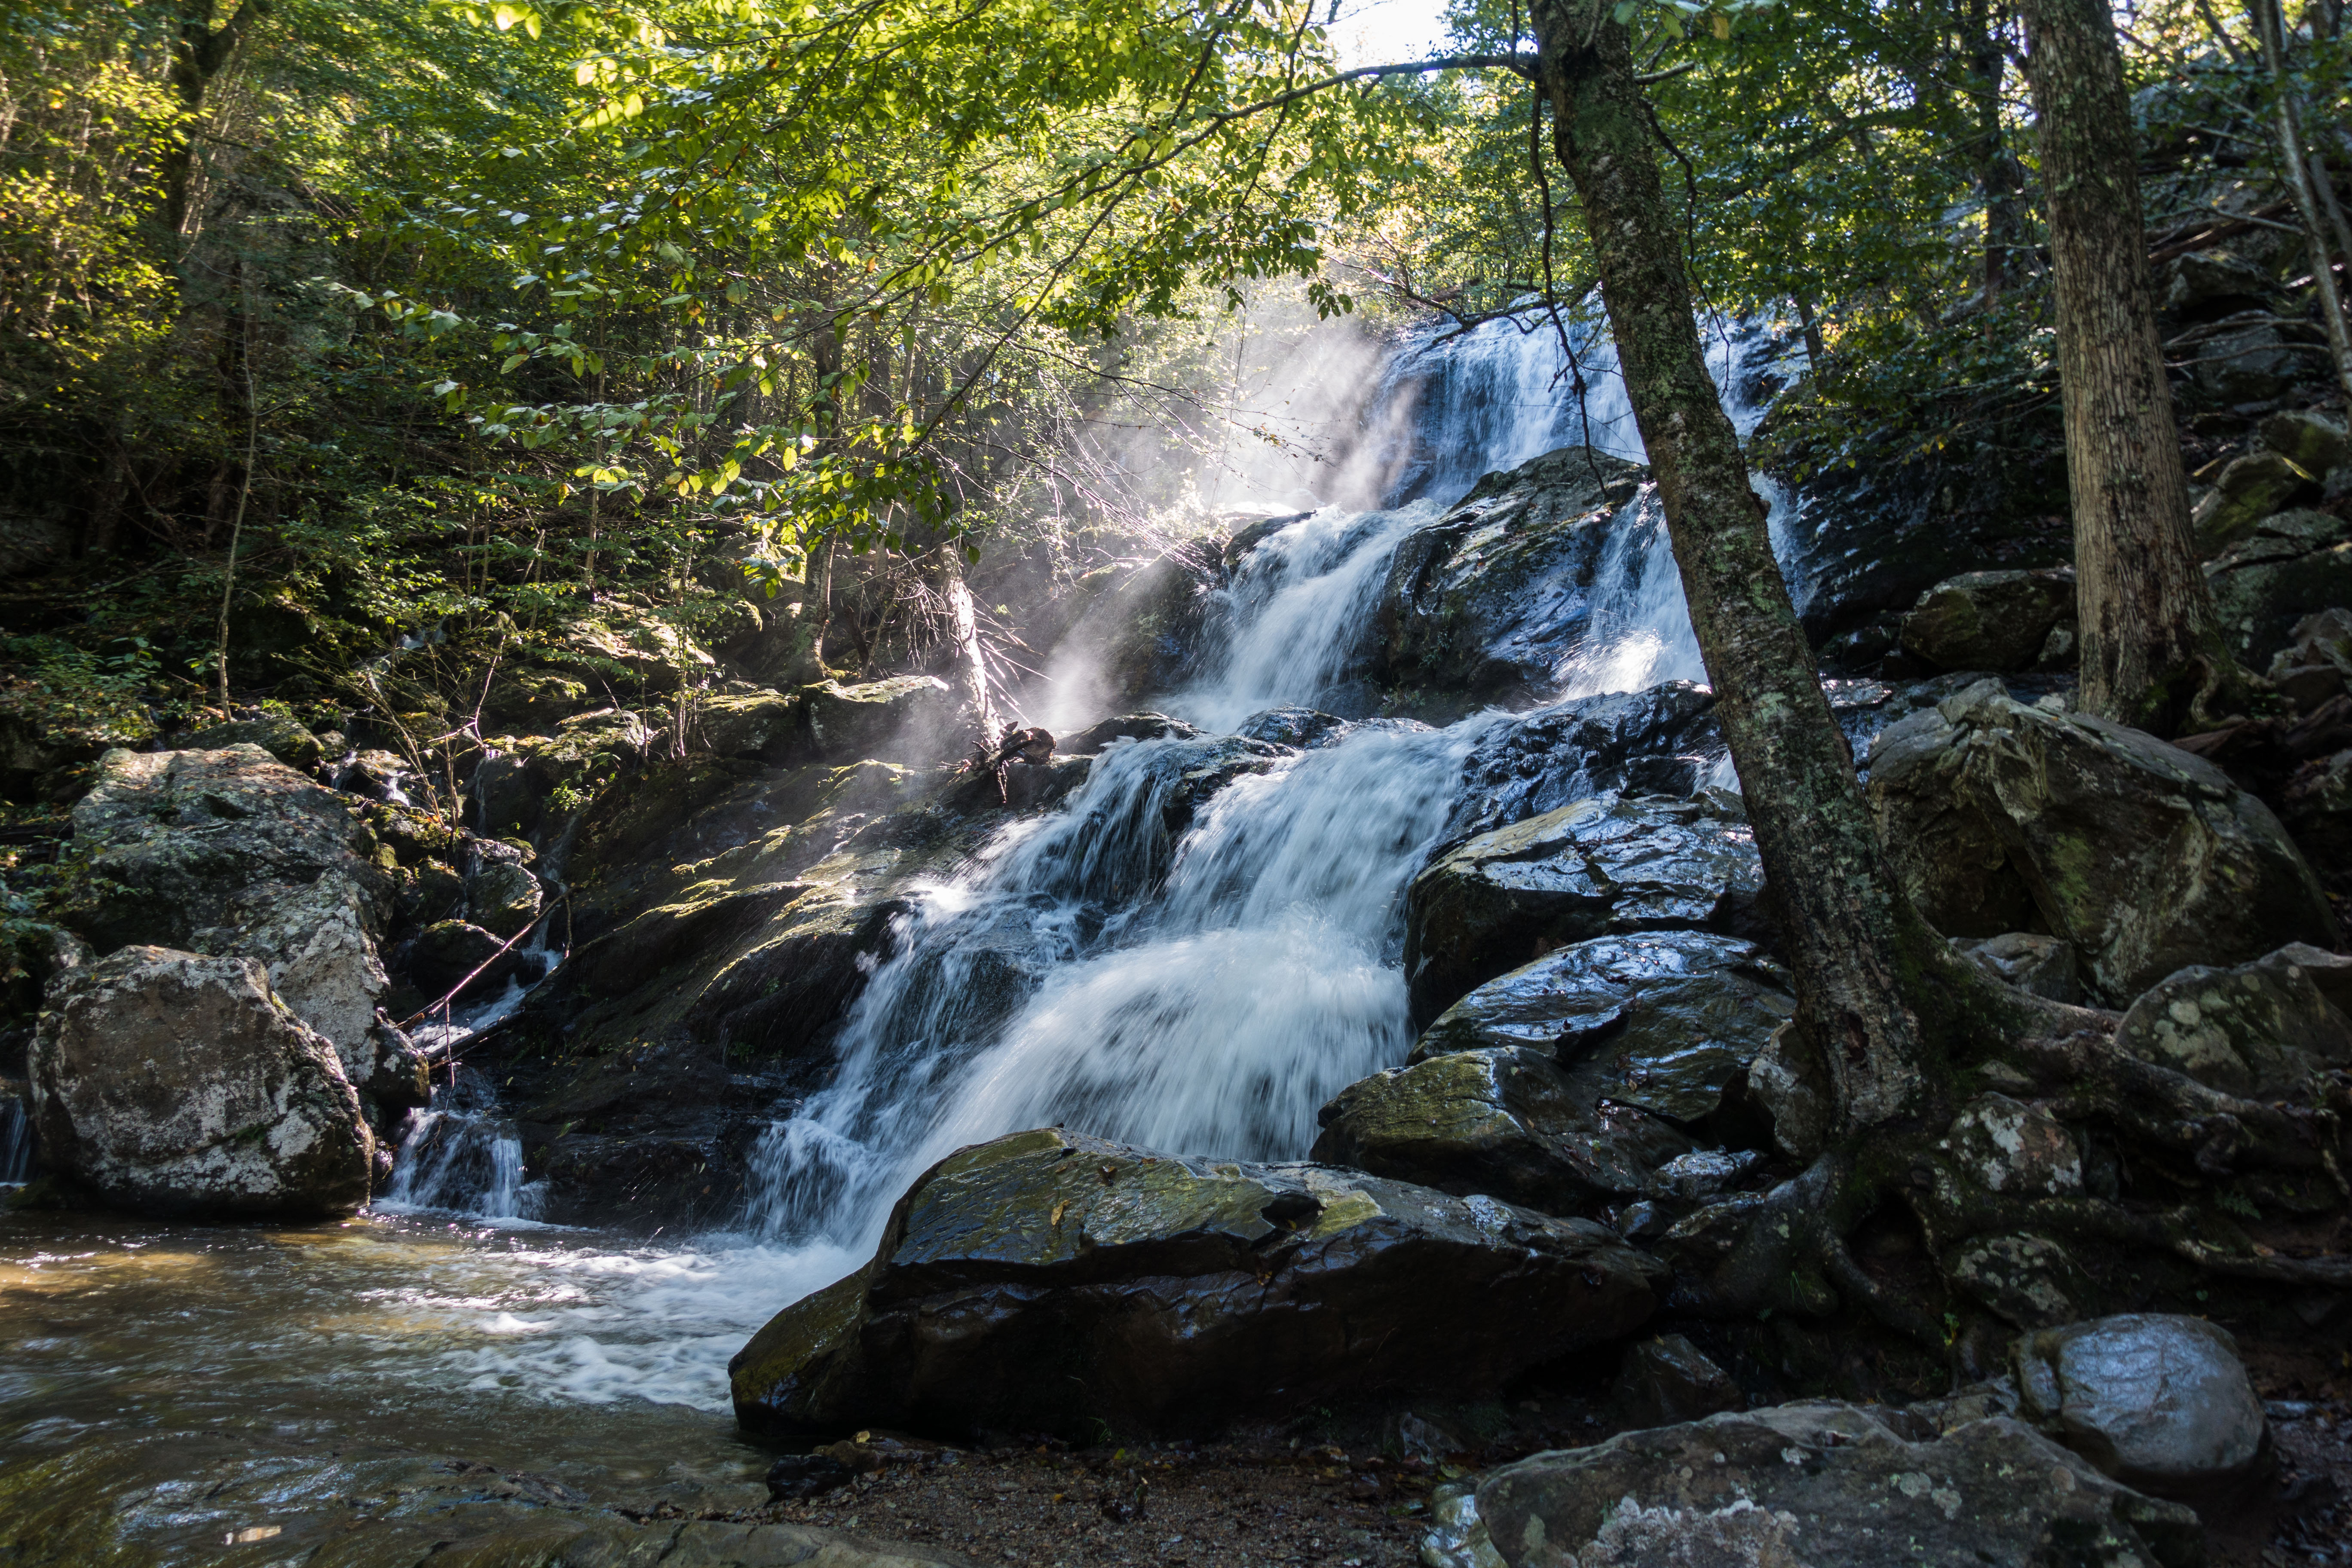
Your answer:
<point x="1205" y="996"/>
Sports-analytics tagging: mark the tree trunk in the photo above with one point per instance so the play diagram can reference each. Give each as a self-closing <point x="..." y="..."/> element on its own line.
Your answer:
<point x="198" y="54"/>
<point x="1998" y="176"/>
<point x="2152" y="654"/>
<point x="2271" y="28"/>
<point x="970" y="671"/>
<point x="1879" y="993"/>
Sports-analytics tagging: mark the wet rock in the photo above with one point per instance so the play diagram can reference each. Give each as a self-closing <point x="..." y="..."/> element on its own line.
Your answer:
<point x="502" y="896"/>
<point x="1704" y="1173"/>
<point x="1682" y="1011"/>
<point x="1127" y="727"/>
<point x="443" y="954"/>
<point x="1491" y="602"/>
<point x="1048" y="1280"/>
<point x="1662" y="741"/>
<point x="2261" y="1031"/>
<point x="1645" y="1033"/>
<point x="2003" y="818"/>
<point x="2012" y="1146"/>
<point x="169" y="838"/>
<point x="2248" y="489"/>
<point x="1879" y="522"/>
<point x="2029" y="1280"/>
<point x="175" y="1084"/>
<point x="1669" y="1379"/>
<point x="2288" y="565"/>
<point x="1826" y="1485"/>
<point x="1509" y="1123"/>
<point x="2041" y="964"/>
<point x="1990" y="620"/>
<point x="1604" y="865"/>
<point x="283" y="738"/>
<point x="2159" y="1402"/>
<point x="1299" y="728"/>
<point x="796" y="1478"/>
<point x="382" y="1505"/>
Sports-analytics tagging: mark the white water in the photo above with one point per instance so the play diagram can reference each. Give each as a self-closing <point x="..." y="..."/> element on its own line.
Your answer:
<point x="1205" y="996"/>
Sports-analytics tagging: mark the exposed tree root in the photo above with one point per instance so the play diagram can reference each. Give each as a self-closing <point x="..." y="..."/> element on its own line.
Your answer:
<point x="1785" y="1250"/>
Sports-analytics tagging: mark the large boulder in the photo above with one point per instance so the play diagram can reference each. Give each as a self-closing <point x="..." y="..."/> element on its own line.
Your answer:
<point x="2003" y="818"/>
<point x="1990" y="620"/>
<point x="1662" y="741"/>
<point x="176" y="1084"/>
<point x="1820" y="1486"/>
<point x="321" y="960"/>
<point x="2159" y="1402"/>
<point x="1053" y="1282"/>
<point x="2247" y="490"/>
<point x="1491" y="601"/>
<point x="1683" y="1011"/>
<point x="283" y="738"/>
<point x="230" y="852"/>
<point x="168" y="839"/>
<point x="1607" y="865"/>
<point x="1579" y="1080"/>
<point x="2261" y="1031"/>
<point x="906" y="717"/>
<point x="2289" y="565"/>
<point x="1509" y="1123"/>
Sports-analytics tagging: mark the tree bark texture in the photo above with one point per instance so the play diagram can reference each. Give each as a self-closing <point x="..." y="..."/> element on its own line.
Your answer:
<point x="2152" y="653"/>
<point x="1879" y="991"/>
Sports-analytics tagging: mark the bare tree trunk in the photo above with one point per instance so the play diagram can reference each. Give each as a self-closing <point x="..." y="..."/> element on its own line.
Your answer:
<point x="1999" y="178"/>
<point x="2152" y="653"/>
<point x="971" y="676"/>
<point x="2270" y="25"/>
<point x="1878" y="992"/>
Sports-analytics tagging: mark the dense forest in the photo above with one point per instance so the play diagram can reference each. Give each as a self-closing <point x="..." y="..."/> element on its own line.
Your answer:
<point x="1809" y="539"/>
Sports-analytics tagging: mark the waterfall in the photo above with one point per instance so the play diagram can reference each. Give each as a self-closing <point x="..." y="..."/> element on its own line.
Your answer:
<point x="1193" y="952"/>
<point x="1210" y="1008"/>
<point x="459" y="1156"/>
<point x="1206" y="991"/>
<point x="16" y="1141"/>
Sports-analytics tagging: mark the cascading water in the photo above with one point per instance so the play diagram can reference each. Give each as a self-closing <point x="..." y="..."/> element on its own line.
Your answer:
<point x="1201" y="989"/>
<point x="15" y="1143"/>
<point x="460" y="1155"/>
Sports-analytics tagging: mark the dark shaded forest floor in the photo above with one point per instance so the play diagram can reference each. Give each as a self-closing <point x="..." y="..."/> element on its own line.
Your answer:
<point x="1268" y="1500"/>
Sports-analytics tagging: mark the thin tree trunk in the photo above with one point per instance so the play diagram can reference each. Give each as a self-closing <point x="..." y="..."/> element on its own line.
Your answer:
<point x="2152" y="653"/>
<point x="2270" y="25"/>
<point x="1999" y="178"/>
<point x="244" y="493"/>
<point x="1878" y="992"/>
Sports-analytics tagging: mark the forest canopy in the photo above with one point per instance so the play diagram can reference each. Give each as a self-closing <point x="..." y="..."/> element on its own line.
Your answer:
<point x="474" y="310"/>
